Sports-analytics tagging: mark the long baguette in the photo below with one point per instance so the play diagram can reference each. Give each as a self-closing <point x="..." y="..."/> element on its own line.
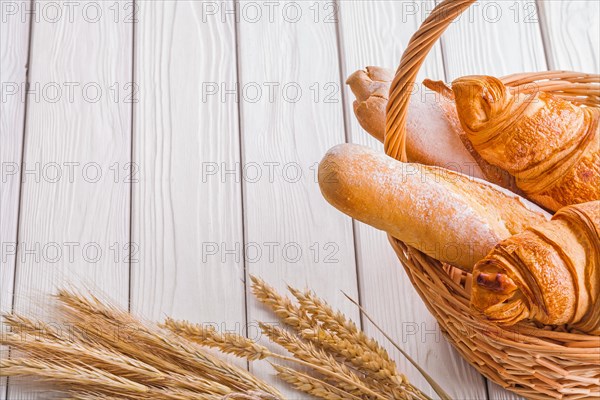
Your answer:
<point x="447" y="215"/>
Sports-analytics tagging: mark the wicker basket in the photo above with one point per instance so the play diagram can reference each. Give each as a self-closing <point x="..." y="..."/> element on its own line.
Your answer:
<point x="533" y="361"/>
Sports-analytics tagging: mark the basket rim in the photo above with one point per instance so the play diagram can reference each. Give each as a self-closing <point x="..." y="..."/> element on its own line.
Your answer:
<point x="524" y="329"/>
<point x="530" y="361"/>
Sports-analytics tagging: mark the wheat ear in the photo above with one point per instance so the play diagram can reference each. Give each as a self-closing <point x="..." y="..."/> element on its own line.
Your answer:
<point x="306" y="354"/>
<point x="81" y="354"/>
<point x="328" y="329"/>
<point x="365" y="353"/>
<point x="311" y="385"/>
<point x="72" y="375"/>
<point x="208" y="336"/>
<point x="332" y="332"/>
<point x="154" y="346"/>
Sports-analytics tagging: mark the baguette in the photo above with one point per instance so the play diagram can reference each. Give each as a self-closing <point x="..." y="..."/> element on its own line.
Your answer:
<point x="371" y="88"/>
<point x="549" y="273"/>
<point x="434" y="135"/>
<point x="447" y="215"/>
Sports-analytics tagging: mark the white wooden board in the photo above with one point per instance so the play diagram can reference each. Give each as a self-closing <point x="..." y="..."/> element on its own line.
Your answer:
<point x="207" y="134"/>
<point x="186" y="210"/>
<point x="74" y="222"/>
<point x="571" y="30"/>
<point x="288" y="134"/>
<point x="494" y="38"/>
<point x="14" y="45"/>
<point x="376" y="33"/>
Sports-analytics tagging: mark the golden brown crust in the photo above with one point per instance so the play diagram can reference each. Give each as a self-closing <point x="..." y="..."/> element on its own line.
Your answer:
<point x="555" y="267"/>
<point x="449" y="216"/>
<point x="371" y="88"/>
<point x="434" y="134"/>
<point x="549" y="144"/>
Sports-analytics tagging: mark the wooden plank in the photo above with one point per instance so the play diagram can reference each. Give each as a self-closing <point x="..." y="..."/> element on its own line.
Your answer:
<point x="495" y="38"/>
<point x="284" y="136"/>
<point x="186" y="207"/>
<point x="75" y="207"/>
<point x="376" y="33"/>
<point x="14" y="46"/>
<point x="571" y="31"/>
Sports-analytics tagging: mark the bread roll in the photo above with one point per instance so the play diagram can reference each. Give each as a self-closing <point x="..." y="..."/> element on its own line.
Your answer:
<point x="449" y="216"/>
<point x="549" y="273"/>
<point x="434" y="135"/>
<point x="371" y="88"/>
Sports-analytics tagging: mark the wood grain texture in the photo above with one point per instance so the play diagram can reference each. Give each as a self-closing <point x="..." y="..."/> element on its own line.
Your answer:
<point x="185" y="206"/>
<point x="376" y="33"/>
<point x="14" y="46"/>
<point x="73" y="215"/>
<point x="571" y="31"/>
<point x="204" y="207"/>
<point x="312" y="242"/>
<point x="494" y="38"/>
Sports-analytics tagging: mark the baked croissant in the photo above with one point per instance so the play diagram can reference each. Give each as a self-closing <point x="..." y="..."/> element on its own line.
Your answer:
<point x="548" y="144"/>
<point x="549" y="273"/>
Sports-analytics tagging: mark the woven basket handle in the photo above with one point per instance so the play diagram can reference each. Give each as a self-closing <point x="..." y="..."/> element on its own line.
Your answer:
<point x="417" y="50"/>
<point x="577" y="87"/>
<point x="580" y="88"/>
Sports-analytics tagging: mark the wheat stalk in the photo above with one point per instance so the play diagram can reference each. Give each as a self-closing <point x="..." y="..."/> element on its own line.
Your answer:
<point x="281" y="306"/>
<point x="162" y="366"/>
<point x="347" y="351"/>
<point x="110" y="361"/>
<point x="316" y="359"/>
<point x="317" y="354"/>
<point x="317" y="322"/>
<point x="311" y="385"/>
<point x="228" y="343"/>
<point x="435" y="386"/>
<point x="251" y="395"/>
<point x="152" y="394"/>
<point x="308" y="327"/>
<point x="152" y="345"/>
<point x="73" y="375"/>
<point x="106" y="353"/>
<point x="364" y="352"/>
<point x="305" y="353"/>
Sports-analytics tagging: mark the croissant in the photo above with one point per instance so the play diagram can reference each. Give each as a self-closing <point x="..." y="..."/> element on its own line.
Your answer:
<point x="548" y="144"/>
<point x="549" y="273"/>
